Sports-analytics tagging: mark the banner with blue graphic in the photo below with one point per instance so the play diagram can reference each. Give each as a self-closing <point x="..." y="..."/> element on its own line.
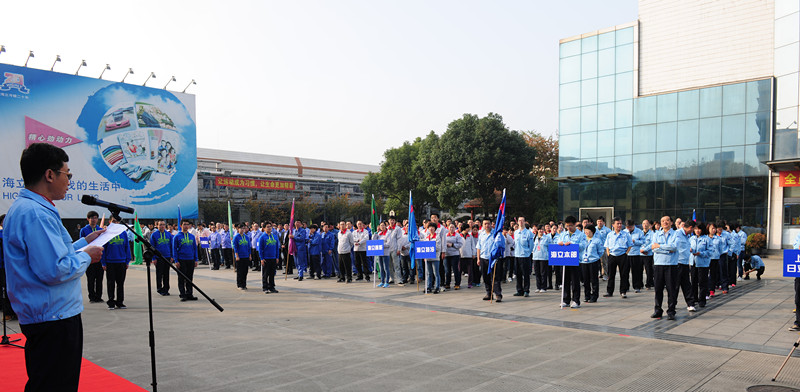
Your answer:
<point x="564" y="255"/>
<point x="127" y="144"/>
<point x="791" y="263"/>
<point x="374" y="247"/>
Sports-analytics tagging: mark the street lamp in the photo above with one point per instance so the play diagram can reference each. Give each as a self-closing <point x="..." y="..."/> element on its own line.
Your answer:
<point x="83" y="64"/>
<point x="107" y="68"/>
<point x="152" y="75"/>
<point x="187" y="86"/>
<point x="57" y="60"/>
<point x="30" y="56"/>
<point x="171" y="79"/>
<point x="130" y="72"/>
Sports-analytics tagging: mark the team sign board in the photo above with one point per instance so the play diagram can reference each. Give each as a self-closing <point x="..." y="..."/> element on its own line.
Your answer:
<point x="564" y="255"/>
<point x="130" y="145"/>
<point x="426" y="250"/>
<point x="374" y="247"/>
<point x="791" y="263"/>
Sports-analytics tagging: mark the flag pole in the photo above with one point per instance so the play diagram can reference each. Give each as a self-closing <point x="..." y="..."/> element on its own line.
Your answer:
<point x="563" y="279"/>
<point x="491" y="289"/>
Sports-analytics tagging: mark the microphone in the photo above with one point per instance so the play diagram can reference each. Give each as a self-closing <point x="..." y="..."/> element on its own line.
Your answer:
<point x="93" y="201"/>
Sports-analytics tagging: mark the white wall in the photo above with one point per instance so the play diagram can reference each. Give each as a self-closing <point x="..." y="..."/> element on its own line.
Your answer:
<point x="693" y="43"/>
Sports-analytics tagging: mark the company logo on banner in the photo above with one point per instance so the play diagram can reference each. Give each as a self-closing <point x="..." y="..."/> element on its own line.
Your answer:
<point x="254" y="184"/>
<point x="791" y="263"/>
<point x="789" y="178"/>
<point x="130" y="145"/>
<point x="374" y="247"/>
<point x="564" y="255"/>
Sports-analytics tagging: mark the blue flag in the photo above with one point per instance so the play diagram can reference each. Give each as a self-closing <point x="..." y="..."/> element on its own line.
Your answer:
<point x="499" y="244"/>
<point x="413" y="234"/>
<point x="694" y="215"/>
<point x="180" y="218"/>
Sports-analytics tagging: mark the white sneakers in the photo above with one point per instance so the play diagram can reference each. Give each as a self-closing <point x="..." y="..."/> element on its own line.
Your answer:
<point x="691" y="309"/>
<point x="574" y="305"/>
<point x="739" y="279"/>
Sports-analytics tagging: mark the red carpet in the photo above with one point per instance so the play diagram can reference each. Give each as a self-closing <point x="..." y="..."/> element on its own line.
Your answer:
<point x="93" y="377"/>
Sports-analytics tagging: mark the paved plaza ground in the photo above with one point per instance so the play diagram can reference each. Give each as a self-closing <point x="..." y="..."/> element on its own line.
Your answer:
<point x="322" y="335"/>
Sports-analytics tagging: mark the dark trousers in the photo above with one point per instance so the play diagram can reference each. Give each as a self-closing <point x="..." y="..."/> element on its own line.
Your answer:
<point x="466" y="267"/>
<point x="115" y="282"/>
<point x="242" y="266"/>
<point x="733" y="260"/>
<point x="268" y="274"/>
<point x="713" y="274"/>
<point x="635" y="263"/>
<point x="559" y="276"/>
<point x="289" y="264"/>
<point x="572" y="285"/>
<point x="227" y="255"/>
<point x="542" y="271"/>
<point x="685" y="284"/>
<point x="796" y="300"/>
<point x="345" y="267"/>
<point x="591" y="281"/>
<point x="362" y="265"/>
<point x="723" y="272"/>
<point x="475" y="272"/>
<point x="647" y="263"/>
<point x="216" y="257"/>
<point x="53" y="354"/>
<point x="405" y="269"/>
<point x="255" y="261"/>
<point x="509" y="266"/>
<point x="666" y="276"/>
<point x="94" y="281"/>
<point x="185" y="285"/>
<point x="316" y="267"/>
<point x="6" y="304"/>
<point x="621" y="263"/>
<point x="452" y="266"/>
<point x="739" y="266"/>
<point x="699" y="278"/>
<point x="162" y="276"/>
<point x="523" y="265"/>
<point x="487" y="276"/>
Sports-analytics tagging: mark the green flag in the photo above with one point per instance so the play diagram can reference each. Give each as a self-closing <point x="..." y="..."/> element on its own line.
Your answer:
<point x="230" y="223"/>
<point x="373" y="221"/>
<point x="137" y="247"/>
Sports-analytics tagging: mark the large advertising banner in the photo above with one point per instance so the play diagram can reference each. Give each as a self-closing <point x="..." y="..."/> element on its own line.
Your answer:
<point x="127" y="144"/>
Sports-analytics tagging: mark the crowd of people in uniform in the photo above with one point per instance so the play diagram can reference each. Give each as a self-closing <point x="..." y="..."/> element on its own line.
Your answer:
<point x="701" y="260"/>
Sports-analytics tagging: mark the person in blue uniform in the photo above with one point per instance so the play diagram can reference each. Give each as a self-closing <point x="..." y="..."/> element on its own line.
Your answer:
<point x="300" y="236"/>
<point x="756" y="265"/>
<point x="161" y="239"/>
<point x="484" y="250"/>
<point x="647" y="253"/>
<point x="701" y="251"/>
<point x="665" y="267"/>
<point x="43" y="271"/>
<point x="684" y="233"/>
<point x="116" y="256"/>
<point x="216" y="246"/>
<point x="94" y="273"/>
<point x="618" y="243"/>
<point x="254" y="234"/>
<point x="315" y="251"/>
<point x="328" y="249"/>
<point x="269" y="249"/>
<point x="590" y="264"/>
<point x="572" y="278"/>
<point x="241" y="252"/>
<point x="523" y="252"/>
<point x="226" y="245"/>
<point x="541" y="257"/>
<point x="635" y="255"/>
<point x="184" y="251"/>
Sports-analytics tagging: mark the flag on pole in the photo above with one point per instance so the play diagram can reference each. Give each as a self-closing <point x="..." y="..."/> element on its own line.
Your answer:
<point x="292" y="248"/>
<point x="373" y="219"/>
<point x="180" y="217"/>
<point x="694" y="215"/>
<point x="499" y="244"/>
<point x="137" y="247"/>
<point x="413" y="234"/>
<point x="230" y="222"/>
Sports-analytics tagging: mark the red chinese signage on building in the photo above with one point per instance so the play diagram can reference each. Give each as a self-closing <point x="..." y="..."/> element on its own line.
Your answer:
<point x="254" y="184"/>
<point x="790" y="178"/>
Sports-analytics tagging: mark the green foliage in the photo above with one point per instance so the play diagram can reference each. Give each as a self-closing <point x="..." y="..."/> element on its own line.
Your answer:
<point x="756" y="240"/>
<point x="214" y="210"/>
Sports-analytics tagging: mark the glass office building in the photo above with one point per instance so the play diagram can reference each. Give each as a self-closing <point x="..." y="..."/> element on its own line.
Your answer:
<point x="707" y="145"/>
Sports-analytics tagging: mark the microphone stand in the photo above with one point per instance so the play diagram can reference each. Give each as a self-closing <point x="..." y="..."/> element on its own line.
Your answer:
<point x="6" y="340"/>
<point x="161" y="259"/>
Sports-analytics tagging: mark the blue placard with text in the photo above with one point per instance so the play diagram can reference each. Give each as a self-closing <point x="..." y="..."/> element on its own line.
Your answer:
<point x="426" y="249"/>
<point x="205" y="242"/>
<point x="791" y="263"/>
<point x="374" y="247"/>
<point x="567" y="255"/>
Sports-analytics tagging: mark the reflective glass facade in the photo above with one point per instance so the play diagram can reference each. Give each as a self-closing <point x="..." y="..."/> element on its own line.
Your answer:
<point x="700" y="149"/>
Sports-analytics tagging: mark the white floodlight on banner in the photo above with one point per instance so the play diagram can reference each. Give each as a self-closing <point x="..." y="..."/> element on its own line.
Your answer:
<point x="107" y="68"/>
<point x="152" y="75"/>
<point x="57" y="60"/>
<point x="130" y="72"/>
<point x="30" y="56"/>
<point x="187" y="86"/>
<point x="171" y="79"/>
<point x="83" y="64"/>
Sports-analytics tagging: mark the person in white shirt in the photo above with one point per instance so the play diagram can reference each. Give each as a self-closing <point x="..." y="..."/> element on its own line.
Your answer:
<point x="345" y="239"/>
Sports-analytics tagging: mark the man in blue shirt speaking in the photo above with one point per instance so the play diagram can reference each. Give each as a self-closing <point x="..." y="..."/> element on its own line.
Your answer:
<point x="44" y="272"/>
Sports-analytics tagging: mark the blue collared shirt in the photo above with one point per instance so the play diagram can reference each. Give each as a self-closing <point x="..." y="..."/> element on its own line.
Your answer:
<point x="602" y="233"/>
<point x="667" y="254"/>
<point x="618" y="244"/>
<point x="484" y="244"/>
<point x="575" y="238"/>
<point x="540" y="247"/>
<point x="637" y="237"/>
<point x="594" y="251"/>
<point x="43" y="268"/>
<point x="647" y="240"/>
<point x="683" y="246"/>
<point x="702" y="246"/>
<point x="523" y="243"/>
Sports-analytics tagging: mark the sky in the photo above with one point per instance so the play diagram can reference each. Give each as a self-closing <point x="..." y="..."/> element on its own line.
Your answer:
<point x="337" y="80"/>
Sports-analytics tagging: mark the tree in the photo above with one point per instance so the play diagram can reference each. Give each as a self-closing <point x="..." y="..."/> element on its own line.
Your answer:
<point x="257" y="209"/>
<point x="400" y="173"/>
<point x="537" y="197"/>
<point x="213" y="210"/>
<point x="474" y="158"/>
